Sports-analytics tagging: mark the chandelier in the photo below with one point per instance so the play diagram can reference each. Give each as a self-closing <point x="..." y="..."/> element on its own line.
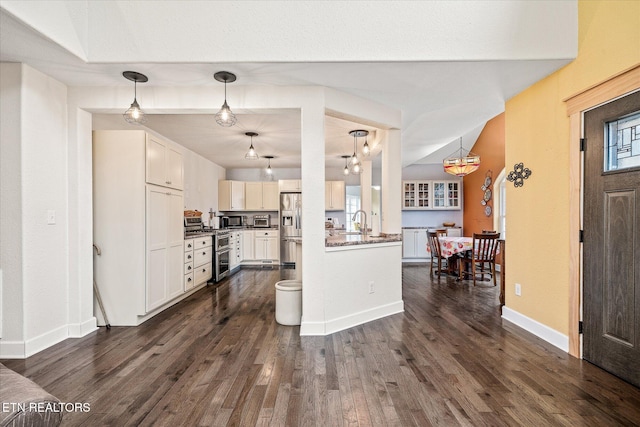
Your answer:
<point x="354" y="166"/>
<point x="461" y="164"/>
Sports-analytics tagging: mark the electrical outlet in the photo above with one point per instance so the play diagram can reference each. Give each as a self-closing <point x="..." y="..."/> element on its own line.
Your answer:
<point x="372" y="288"/>
<point x="518" y="289"/>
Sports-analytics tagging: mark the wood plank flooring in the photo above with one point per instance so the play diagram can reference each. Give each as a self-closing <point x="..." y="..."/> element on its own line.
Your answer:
<point x="219" y="359"/>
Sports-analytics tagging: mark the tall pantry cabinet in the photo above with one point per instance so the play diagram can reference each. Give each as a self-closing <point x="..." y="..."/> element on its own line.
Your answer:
<point x="137" y="223"/>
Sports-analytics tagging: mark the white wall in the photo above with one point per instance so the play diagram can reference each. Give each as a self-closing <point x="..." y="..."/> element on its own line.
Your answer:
<point x="39" y="183"/>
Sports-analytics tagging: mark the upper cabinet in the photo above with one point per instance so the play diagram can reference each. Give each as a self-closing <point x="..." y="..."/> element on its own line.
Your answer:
<point x="164" y="165"/>
<point x="423" y="195"/>
<point x="334" y="196"/>
<point x="292" y="185"/>
<point x="231" y="195"/>
<point x="261" y="196"/>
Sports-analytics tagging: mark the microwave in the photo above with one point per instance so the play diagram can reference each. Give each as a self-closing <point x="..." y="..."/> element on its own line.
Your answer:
<point x="234" y="221"/>
<point x="262" y="221"/>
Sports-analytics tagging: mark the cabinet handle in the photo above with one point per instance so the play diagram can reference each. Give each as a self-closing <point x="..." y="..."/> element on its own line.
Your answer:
<point x="189" y="279"/>
<point x="204" y="270"/>
<point x="189" y="245"/>
<point x="189" y="268"/>
<point x="188" y="256"/>
<point x="204" y="253"/>
<point x="204" y="243"/>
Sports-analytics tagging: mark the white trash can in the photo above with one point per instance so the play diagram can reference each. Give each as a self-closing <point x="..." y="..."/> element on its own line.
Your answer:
<point x="289" y="302"/>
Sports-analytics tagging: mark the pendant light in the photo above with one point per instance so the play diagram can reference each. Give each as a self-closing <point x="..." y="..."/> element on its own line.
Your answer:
<point x="269" y="170"/>
<point x="225" y="117"/>
<point x="461" y="165"/>
<point x="355" y="167"/>
<point x="134" y="114"/>
<point x="345" y="171"/>
<point x="365" y="148"/>
<point x="251" y="154"/>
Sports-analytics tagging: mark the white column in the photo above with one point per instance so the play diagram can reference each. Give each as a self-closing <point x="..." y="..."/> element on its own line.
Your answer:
<point x="365" y="189"/>
<point x="391" y="182"/>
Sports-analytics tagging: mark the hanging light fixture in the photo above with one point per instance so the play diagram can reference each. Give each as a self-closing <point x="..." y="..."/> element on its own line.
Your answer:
<point x="461" y="164"/>
<point x="225" y="117"/>
<point x="355" y="167"/>
<point x="251" y="154"/>
<point x="134" y="114"/>
<point x="365" y="148"/>
<point x="269" y="170"/>
<point x="345" y="171"/>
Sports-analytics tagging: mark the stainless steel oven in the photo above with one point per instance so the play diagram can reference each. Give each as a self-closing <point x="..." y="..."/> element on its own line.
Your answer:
<point x="262" y="221"/>
<point x="221" y="254"/>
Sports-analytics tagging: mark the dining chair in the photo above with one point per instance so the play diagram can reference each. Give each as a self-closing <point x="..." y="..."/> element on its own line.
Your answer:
<point x="485" y="246"/>
<point x="436" y="252"/>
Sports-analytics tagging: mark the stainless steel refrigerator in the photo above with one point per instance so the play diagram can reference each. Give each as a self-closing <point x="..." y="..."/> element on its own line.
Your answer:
<point x="290" y="226"/>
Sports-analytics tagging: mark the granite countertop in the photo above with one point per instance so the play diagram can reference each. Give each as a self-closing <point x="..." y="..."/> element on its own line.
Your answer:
<point x="424" y="227"/>
<point x="359" y="239"/>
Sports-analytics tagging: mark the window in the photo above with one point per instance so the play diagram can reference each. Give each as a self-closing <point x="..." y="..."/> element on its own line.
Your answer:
<point x="500" y="200"/>
<point x="352" y="205"/>
<point x="622" y="143"/>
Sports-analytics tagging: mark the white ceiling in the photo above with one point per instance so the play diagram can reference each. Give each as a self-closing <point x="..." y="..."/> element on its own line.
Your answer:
<point x="441" y="100"/>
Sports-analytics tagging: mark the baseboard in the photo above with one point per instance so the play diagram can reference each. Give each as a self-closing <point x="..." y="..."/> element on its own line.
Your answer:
<point x="12" y="349"/>
<point x="78" y="330"/>
<point x="346" y="322"/>
<point x="538" y="329"/>
<point x="46" y="340"/>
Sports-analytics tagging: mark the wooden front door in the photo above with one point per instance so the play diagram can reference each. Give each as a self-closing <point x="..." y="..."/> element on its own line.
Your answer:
<point x="611" y="257"/>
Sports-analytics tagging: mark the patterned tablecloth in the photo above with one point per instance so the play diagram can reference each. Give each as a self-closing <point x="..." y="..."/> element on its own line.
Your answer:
<point x="454" y="245"/>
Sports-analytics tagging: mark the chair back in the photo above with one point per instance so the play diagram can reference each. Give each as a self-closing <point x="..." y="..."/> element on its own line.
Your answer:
<point x="442" y="232"/>
<point x="434" y="243"/>
<point x="485" y="246"/>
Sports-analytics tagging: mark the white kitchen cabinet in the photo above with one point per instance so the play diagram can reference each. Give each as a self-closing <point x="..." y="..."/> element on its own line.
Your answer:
<point x="248" y="243"/>
<point x="261" y="196"/>
<point x="414" y="243"/>
<point x="231" y="195"/>
<point x="454" y="232"/>
<point x="235" y="249"/>
<point x="446" y="195"/>
<point x="139" y="228"/>
<point x="416" y="195"/>
<point x="266" y="245"/>
<point x="188" y="264"/>
<point x="290" y="185"/>
<point x="334" y="196"/>
<point x="202" y="259"/>
<point x="164" y="246"/>
<point x="164" y="164"/>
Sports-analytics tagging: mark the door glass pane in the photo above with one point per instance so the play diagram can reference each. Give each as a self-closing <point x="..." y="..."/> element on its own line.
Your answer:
<point x="622" y="143"/>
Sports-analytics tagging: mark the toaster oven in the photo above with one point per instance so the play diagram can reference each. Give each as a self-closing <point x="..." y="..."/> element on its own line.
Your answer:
<point x="262" y="221"/>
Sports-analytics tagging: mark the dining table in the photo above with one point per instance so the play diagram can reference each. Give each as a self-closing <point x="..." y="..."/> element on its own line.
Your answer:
<point x="451" y="246"/>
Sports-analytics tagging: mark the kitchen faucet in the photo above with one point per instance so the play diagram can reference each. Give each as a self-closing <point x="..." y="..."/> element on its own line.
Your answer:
<point x="363" y="228"/>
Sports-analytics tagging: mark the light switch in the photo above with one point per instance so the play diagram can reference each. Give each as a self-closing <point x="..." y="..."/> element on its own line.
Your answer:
<point x="51" y="217"/>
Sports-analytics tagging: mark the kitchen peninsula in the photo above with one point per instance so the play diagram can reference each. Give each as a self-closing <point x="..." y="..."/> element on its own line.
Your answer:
<point x="348" y="239"/>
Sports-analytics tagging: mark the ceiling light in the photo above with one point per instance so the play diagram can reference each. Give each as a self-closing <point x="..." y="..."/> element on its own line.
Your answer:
<point x="134" y="114"/>
<point x="461" y="164"/>
<point x="365" y="148"/>
<point x="269" y="170"/>
<point x="225" y="117"/>
<point x="251" y="154"/>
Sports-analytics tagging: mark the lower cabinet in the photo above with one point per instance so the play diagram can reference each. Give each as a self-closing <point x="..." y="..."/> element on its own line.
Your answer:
<point x="248" y="241"/>
<point x="198" y="265"/>
<point x="235" y="249"/>
<point x="266" y="245"/>
<point x="414" y="243"/>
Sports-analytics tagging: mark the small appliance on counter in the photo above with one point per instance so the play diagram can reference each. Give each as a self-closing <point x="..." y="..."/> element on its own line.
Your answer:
<point x="262" y="221"/>
<point x="234" y="221"/>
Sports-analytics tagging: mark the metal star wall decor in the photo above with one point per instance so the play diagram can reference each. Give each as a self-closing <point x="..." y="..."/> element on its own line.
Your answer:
<point x="518" y="174"/>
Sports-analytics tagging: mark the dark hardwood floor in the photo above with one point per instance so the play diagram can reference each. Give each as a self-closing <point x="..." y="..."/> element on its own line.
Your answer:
<point x="219" y="358"/>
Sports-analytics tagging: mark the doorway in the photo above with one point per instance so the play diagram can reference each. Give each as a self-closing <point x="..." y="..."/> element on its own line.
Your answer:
<point x="611" y="284"/>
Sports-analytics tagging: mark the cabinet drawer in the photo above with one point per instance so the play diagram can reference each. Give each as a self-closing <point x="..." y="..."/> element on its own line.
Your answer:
<point x="202" y="273"/>
<point x="188" y="257"/>
<point x="202" y="242"/>
<point x="188" y="245"/>
<point x="266" y="233"/>
<point x="188" y="267"/>
<point x="188" y="281"/>
<point x="201" y="256"/>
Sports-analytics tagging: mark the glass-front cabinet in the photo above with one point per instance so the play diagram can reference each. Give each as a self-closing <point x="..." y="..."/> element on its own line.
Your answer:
<point x="424" y="195"/>
<point x="416" y="194"/>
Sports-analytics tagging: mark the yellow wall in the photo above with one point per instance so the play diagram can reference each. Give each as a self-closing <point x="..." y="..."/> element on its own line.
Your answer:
<point x="537" y="134"/>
